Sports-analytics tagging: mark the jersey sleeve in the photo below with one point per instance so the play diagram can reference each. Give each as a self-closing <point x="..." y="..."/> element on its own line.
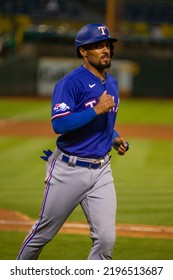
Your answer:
<point x="73" y="121"/>
<point x="64" y="115"/>
<point x="63" y="99"/>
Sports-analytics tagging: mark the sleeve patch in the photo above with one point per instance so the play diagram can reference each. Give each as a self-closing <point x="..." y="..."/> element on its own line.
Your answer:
<point x="61" y="107"/>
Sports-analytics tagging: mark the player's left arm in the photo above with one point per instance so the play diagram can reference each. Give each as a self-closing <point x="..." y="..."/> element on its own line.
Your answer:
<point x="119" y="143"/>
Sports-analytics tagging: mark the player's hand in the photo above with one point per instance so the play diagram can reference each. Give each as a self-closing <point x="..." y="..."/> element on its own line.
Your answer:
<point x="104" y="104"/>
<point x="120" y="145"/>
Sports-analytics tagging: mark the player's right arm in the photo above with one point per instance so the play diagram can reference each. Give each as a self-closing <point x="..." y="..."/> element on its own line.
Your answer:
<point x="66" y="94"/>
<point x="67" y="121"/>
<point x="73" y="121"/>
<point x="104" y="104"/>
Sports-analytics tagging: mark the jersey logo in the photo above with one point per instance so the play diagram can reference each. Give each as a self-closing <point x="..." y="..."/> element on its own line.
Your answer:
<point x="91" y="86"/>
<point x="90" y="103"/>
<point x="61" y="107"/>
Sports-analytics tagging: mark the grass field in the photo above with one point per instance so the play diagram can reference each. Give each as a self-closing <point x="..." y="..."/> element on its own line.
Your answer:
<point x="77" y="247"/>
<point x="143" y="179"/>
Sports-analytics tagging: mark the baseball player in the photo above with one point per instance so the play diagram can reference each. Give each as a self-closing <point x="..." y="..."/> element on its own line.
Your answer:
<point x="84" y="108"/>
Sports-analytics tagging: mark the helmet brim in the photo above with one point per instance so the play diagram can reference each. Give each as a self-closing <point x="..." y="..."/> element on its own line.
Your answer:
<point x="93" y="41"/>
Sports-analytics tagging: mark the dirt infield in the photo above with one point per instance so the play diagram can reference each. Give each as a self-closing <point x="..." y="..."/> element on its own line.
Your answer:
<point x="25" y="128"/>
<point x="10" y="220"/>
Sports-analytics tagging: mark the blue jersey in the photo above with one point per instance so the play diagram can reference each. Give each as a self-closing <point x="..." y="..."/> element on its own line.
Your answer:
<point x="78" y="91"/>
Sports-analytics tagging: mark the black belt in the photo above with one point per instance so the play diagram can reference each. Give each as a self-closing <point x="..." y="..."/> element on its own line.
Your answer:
<point x="86" y="164"/>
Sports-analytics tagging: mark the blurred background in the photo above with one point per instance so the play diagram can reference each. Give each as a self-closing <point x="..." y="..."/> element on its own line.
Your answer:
<point x="37" y="44"/>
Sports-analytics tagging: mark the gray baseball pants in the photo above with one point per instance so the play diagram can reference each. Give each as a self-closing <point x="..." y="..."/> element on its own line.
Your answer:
<point x="66" y="186"/>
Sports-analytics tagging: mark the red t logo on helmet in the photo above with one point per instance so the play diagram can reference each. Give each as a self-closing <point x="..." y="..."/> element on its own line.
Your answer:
<point x="102" y="28"/>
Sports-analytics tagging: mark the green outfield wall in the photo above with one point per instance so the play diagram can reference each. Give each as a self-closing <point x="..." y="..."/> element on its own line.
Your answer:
<point x="18" y="76"/>
<point x="147" y="76"/>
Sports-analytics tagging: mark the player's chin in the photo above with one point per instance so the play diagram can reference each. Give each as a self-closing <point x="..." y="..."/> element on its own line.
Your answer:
<point x="106" y="64"/>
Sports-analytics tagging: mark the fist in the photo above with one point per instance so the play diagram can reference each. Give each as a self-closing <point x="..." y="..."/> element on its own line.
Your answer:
<point x="120" y="145"/>
<point x="105" y="103"/>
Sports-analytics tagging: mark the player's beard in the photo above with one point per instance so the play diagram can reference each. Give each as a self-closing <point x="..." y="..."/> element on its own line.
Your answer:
<point x="101" y="66"/>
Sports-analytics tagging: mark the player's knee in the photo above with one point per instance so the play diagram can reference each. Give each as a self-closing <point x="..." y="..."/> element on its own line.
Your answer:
<point x="108" y="236"/>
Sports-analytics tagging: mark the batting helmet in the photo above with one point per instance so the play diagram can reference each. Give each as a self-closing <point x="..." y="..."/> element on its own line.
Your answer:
<point x="92" y="33"/>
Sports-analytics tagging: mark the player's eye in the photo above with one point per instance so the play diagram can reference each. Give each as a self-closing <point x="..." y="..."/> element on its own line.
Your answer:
<point x="108" y="45"/>
<point x="97" y="46"/>
<point x="102" y="45"/>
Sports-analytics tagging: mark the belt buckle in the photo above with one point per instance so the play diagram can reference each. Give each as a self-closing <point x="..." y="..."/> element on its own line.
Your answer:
<point x="102" y="162"/>
<point x="91" y="165"/>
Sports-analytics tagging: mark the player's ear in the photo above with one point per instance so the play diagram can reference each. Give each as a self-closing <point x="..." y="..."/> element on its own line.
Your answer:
<point x="82" y="52"/>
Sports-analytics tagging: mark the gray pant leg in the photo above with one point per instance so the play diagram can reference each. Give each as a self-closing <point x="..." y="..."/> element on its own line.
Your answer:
<point x="100" y="209"/>
<point x="65" y="188"/>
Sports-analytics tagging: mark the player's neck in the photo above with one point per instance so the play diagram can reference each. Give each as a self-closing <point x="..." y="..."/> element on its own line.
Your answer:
<point x="101" y="75"/>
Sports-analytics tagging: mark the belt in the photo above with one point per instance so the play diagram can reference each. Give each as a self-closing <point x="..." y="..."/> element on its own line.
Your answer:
<point x="75" y="161"/>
